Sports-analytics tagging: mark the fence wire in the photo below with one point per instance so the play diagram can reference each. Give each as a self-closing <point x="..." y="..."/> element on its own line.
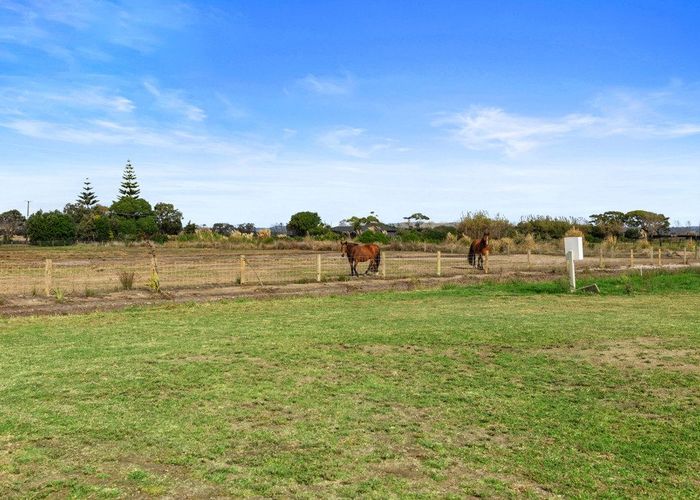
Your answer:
<point x="85" y="273"/>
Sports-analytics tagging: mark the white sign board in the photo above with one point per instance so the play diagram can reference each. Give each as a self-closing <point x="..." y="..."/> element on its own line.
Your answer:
<point x="574" y="244"/>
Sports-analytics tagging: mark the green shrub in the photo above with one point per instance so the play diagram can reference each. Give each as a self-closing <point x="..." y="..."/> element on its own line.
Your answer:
<point x="51" y="228"/>
<point x="302" y="223"/>
<point x="373" y="237"/>
<point x="546" y="227"/>
<point x="160" y="238"/>
<point x="133" y="219"/>
<point x="409" y="235"/>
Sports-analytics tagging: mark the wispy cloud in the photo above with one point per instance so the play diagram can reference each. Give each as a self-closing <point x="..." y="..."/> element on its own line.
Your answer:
<point x="104" y="132"/>
<point x="28" y="99"/>
<point x="619" y="113"/>
<point x="137" y="25"/>
<point x="482" y="128"/>
<point x="353" y="142"/>
<point x="232" y="110"/>
<point x="327" y="85"/>
<point x="172" y="100"/>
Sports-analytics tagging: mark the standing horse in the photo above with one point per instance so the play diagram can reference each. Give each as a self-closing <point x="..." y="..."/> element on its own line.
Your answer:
<point x="361" y="253"/>
<point x="478" y="250"/>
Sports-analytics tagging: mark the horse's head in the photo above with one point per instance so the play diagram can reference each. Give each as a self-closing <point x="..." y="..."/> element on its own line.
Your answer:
<point x="343" y="248"/>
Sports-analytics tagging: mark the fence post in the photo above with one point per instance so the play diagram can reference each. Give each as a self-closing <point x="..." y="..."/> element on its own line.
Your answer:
<point x="571" y="268"/>
<point x="48" y="277"/>
<point x="439" y="263"/>
<point x="600" y="256"/>
<point x="659" y="257"/>
<point x="697" y="250"/>
<point x="243" y="270"/>
<point x="631" y="257"/>
<point x="318" y="267"/>
<point x="486" y="263"/>
<point x="685" y="255"/>
<point x="384" y="265"/>
<point x="529" y="259"/>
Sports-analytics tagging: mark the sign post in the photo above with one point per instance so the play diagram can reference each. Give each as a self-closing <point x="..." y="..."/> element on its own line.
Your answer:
<point x="573" y="248"/>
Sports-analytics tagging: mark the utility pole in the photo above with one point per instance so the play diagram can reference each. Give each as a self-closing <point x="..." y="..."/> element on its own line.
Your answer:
<point x="28" y="202"/>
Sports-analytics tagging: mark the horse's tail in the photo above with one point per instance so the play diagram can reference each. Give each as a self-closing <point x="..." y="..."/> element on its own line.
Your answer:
<point x="472" y="255"/>
<point x="377" y="260"/>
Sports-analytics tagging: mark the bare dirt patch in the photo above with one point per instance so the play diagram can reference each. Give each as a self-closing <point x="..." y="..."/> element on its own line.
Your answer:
<point x="640" y="353"/>
<point x="37" y="305"/>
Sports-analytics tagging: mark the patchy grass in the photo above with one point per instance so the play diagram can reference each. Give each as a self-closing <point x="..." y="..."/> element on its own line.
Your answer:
<point x="649" y="281"/>
<point x="498" y="390"/>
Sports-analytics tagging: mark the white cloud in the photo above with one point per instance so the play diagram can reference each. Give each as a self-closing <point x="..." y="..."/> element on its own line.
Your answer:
<point x="231" y="109"/>
<point x="105" y="132"/>
<point x="137" y="25"/>
<point x="652" y="115"/>
<point x="351" y="141"/>
<point x="25" y="99"/>
<point x="288" y="133"/>
<point x="492" y="128"/>
<point x="327" y="85"/>
<point x="171" y="100"/>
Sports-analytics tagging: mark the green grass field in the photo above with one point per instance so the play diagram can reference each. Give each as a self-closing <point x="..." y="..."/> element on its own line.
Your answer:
<point x="493" y="390"/>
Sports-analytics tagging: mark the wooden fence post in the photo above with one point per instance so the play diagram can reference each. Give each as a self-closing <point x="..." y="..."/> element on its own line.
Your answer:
<point x="243" y="270"/>
<point x="48" y="277"/>
<point x="631" y="257"/>
<point x="659" y="257"/>
<point x="486" y="263"/>
<point x="439" y="263"/>
<point x="318" y="267"/>
<point x="600" y="256"/>
<point x="529" y="259"/>
<point x="384" y="265"/>
<point x="685" y="255"/>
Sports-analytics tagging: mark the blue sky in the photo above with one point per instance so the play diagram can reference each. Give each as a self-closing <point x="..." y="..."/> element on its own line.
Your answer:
<point x="251" y="111"/>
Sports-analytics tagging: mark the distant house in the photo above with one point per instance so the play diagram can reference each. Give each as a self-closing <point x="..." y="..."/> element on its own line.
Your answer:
<point x="678" y="233"/>
<point x="686" y="233"/>
<point x="278" y="230"/>
<point x="344" y="230"/>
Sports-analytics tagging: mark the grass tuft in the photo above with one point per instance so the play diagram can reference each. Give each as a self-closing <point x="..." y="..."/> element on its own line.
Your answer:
<point x="126" y="278"/>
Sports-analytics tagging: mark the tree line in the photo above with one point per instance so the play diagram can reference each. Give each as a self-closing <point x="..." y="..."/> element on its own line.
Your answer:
<point x="128" y="218"/>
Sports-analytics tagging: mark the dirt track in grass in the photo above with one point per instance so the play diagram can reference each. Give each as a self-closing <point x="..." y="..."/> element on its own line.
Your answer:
<point x="38" y="305"/>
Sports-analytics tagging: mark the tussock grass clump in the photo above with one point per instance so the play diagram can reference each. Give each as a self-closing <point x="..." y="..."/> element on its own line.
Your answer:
<point x="126" y="278"/>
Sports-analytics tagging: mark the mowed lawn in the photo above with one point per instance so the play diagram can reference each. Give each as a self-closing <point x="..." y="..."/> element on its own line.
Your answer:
<point x="492" y="390"/>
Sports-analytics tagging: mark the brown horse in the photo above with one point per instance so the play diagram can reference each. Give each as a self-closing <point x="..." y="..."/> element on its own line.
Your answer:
<point x="478" y="250"/>
<point x="361" y="253"/>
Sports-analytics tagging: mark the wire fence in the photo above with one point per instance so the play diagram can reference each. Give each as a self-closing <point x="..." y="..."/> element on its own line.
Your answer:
<point x="109" y="271"/>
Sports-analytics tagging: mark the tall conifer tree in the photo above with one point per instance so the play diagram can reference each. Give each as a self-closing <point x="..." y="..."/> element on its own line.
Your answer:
<point x="87" y="197"/>
<point x="130" y="187"/>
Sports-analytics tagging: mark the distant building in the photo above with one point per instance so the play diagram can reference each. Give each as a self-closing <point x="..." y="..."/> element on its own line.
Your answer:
<point x="278" y="230"/>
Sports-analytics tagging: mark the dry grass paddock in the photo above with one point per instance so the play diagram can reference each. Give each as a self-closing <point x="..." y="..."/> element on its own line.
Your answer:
<point x="91" y="270"/>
